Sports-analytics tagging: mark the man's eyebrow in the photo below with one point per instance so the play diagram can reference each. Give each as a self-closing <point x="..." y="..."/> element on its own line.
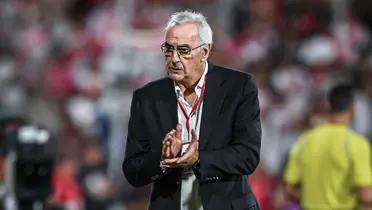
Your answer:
<point x="183" y="45"/>
<point x="167" y="44"/>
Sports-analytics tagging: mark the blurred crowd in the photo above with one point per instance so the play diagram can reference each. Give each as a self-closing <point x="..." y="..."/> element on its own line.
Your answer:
<point x="72" y="65"/>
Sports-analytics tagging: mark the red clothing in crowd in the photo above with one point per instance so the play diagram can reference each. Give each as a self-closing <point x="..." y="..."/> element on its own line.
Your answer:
<point x="66" y="189"/>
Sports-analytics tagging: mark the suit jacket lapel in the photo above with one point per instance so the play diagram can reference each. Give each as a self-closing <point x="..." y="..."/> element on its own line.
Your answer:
<point x="213" y="100"/>
<point x="167" y="107"/>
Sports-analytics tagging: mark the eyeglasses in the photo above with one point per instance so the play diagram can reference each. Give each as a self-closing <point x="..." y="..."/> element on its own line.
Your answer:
<point x="182" y="50"/>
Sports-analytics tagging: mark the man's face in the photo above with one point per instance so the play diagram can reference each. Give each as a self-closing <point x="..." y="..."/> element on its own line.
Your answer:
<point x="181" y="67"/>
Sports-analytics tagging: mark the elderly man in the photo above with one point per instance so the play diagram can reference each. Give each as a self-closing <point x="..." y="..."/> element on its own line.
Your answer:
<point x="196" y="134"/>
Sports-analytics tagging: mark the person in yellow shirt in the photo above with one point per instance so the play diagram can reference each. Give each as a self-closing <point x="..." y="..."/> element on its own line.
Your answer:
<point x="330" y="166"/>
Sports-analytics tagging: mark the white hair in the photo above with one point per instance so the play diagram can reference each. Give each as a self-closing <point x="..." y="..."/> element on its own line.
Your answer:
<point x="187" y="16"/>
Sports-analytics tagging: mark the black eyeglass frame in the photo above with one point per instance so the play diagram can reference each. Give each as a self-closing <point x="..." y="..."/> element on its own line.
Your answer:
<point x="168" y="49"/>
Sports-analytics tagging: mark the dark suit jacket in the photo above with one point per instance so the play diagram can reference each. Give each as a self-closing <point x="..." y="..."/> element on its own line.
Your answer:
<point x="229" y="141"/>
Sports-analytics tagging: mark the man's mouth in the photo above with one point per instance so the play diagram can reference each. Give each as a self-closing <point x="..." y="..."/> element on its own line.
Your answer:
<point x="175" y="69"/>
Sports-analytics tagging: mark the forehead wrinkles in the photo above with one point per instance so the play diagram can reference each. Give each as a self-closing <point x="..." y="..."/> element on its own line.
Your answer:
<point x="182" y="34"/>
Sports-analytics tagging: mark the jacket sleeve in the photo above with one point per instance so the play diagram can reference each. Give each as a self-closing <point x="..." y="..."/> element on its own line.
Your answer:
<point x="141" y="164"/>
<point x="241" y="156"/>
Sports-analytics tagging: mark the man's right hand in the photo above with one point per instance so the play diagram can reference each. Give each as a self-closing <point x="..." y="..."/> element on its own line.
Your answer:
<point x="172" y="143"/>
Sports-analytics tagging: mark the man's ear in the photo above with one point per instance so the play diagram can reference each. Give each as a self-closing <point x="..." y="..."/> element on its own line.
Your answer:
<point x="206" y="51"/>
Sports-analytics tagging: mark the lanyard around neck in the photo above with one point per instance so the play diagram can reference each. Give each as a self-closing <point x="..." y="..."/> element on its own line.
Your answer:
<point x="194" y="107"/>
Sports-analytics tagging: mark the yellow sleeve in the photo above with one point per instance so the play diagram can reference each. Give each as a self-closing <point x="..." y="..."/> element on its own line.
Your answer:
<point x="292" y="172"/>
<point x="362" y="166"/>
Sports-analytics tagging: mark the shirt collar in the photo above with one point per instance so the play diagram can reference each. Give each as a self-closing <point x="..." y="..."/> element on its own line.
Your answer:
<point x="198" y="86"/>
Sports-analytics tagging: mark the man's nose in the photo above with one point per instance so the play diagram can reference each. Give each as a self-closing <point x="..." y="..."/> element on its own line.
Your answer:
<point x="175" y="57"/>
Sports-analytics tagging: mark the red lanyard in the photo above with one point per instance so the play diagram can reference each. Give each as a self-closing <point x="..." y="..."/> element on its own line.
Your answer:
<point x="194" y="107"/>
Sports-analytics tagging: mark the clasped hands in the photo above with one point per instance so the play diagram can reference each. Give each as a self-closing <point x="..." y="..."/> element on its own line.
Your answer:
<point x="172" y="145"/>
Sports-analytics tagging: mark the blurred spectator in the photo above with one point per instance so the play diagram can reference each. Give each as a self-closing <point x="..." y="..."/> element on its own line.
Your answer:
<point x="97" y="188"/>
<point x="66" y="189"/>
<point x="330" y="165"/>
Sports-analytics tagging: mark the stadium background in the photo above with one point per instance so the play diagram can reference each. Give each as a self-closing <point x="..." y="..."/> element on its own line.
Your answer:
<point x="72" y="65"/>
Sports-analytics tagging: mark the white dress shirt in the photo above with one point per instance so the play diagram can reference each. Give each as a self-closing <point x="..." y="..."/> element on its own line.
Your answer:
<point x="190" y="184"/>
